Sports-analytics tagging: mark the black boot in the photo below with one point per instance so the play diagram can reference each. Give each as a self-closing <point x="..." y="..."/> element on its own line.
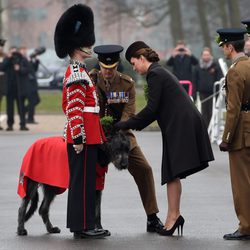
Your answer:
<point x="237" y="235"/>
<point x="154" y="224"/>
<point x="90" y="234"/>
<point x="98" y="201"/>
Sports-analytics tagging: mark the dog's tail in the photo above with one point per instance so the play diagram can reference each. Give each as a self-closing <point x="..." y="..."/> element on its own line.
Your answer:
<point x="33" y="206"/>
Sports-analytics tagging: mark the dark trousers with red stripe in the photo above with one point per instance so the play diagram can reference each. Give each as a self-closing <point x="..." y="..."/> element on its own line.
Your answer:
<point x="81" y="192"/>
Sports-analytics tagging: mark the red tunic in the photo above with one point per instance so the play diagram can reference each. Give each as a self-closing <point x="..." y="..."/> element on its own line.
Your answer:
<point x="80" y="105"/>
<point x="46" y="161"/>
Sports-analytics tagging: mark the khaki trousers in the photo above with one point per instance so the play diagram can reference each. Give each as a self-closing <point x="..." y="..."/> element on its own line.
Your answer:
<point x="140" y="169"/>
<point x="240" y="180"/>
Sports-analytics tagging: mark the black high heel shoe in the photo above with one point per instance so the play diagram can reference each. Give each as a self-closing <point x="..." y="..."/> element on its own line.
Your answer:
<point x="178" y="224"/>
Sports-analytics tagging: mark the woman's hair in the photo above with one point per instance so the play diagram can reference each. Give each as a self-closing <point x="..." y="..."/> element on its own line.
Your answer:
<point x="148" y="53"/>
<point x="206" y="49"/>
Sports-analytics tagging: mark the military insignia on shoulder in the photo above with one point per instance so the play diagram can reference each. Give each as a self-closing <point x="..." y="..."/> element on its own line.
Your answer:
<point x="127" y="78"/>
<point x="117" y="97"/>
<point x="78" y="76"/>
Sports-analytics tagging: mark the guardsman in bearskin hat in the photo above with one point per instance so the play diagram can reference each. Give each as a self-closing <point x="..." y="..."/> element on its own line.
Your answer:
<point x="74" y="37"/>
<point x="236" y="136"/>
<point x="116" y="92"/>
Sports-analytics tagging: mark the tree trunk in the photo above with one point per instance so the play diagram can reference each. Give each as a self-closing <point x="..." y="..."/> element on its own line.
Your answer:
<point x="234" y="13"/>
<point x="203" y="23"/>
<point x="1" y="21"/>
<point x="175" y="21"/>
<point x="222" y="6"/>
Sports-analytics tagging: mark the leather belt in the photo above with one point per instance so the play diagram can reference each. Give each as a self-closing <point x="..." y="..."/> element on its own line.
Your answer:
<point x="245" y="107"/>
<point x="95" y="109"/>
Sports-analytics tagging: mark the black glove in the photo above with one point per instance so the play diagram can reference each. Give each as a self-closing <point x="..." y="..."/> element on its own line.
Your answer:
<point x="223" y="146"/>
<point x="121" y="125"/>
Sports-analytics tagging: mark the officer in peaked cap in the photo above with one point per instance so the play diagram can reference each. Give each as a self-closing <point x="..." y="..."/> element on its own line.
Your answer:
<point x="236" y="135"/>
<point x="227" y="35"/>
<point x="108" y="55"/>
<point x="116" y="92"/>
<point x="247" y="43"/>
<point x="247" y="25"/>
<point x="74" y="36"/>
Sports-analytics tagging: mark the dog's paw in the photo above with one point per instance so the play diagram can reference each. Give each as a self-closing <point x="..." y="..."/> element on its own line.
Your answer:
<point x="54" y="230"/>
<point x="22" y="232"/>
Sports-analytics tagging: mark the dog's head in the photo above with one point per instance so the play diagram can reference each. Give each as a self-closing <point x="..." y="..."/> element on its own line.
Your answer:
<point x="119" y="145"/>
<point x="115" y="150"/>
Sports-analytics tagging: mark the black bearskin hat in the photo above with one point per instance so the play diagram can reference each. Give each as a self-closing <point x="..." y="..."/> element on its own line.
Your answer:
<point x="74" y="29"/>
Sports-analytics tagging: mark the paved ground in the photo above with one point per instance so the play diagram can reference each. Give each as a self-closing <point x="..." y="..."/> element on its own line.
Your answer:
<point x="206" y="202"/>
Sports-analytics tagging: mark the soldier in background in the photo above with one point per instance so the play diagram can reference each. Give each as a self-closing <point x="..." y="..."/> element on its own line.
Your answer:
<point x="236" y="136"/>
<point x="247" y="42"/>
<point x="247" y="47"/>
<point x="116" y="92"/>
<point x="2" y="76"/>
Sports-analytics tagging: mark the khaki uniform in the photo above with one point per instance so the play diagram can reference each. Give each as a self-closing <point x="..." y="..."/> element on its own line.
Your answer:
<point x="237" y="135"/>
<point x="117" y="98"/>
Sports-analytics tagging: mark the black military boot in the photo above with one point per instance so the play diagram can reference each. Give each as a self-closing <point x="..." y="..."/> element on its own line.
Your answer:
<point x="237" y="235"/>
<point x="98" y="224"/>
<point x="154" y="224"/>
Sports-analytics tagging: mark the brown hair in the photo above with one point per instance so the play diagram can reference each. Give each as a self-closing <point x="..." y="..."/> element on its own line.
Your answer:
<point x="148" y="53"/>
<point x="238" y="45"/>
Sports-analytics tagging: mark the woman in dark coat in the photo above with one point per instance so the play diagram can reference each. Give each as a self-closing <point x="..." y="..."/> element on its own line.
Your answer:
<point x="186" y="145"/>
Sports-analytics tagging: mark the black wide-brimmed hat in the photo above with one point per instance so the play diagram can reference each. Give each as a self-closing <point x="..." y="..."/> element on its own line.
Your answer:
<point x="229" y="35"/>
<point x="108" y="55"/>
<point x="74" y="29"/>
<point x="133" y="48"/>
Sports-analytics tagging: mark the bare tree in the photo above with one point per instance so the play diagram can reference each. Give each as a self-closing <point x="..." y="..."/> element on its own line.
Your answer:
<point x="149" y="14"/>
<point x="201" y="7"/>
<point x="234" y="13"/>
<point x="1" y="11"/>
<point x="4" y="7"/>
<point x="175" y="20"/>
<point x="67" y="3"/>
<point x="222" y="6"/>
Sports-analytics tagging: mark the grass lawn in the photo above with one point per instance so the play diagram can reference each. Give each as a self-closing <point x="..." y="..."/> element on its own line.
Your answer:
<point x="51" y="102"/>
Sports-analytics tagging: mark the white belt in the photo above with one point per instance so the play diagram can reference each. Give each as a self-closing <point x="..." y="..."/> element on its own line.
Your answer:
<point x="95" y="109"/>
